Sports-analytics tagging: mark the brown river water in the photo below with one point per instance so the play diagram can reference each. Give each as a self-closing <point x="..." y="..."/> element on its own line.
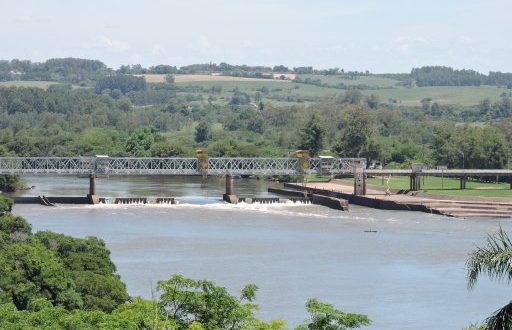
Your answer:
<point x="410" y="274"/>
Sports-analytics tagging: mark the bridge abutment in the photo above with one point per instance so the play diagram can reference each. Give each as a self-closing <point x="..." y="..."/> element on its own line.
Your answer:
<point x="230" y="196"/>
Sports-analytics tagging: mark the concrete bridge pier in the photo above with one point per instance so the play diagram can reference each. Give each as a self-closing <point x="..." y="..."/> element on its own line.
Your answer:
<point x="92" y="198"/>
<point x="463" y="182"/>
<point x="415" y="182"/>
<point x="230" y="196"/>
<point x="359" y="180"/>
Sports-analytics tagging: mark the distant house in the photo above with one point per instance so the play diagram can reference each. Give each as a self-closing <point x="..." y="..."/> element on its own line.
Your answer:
<point x="284" y="76"/>
<point x="16" y="74"/>
<point x="375" y="165"/>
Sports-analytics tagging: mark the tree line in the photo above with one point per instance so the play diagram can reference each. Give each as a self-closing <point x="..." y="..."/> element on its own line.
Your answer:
<point x="86" y="72"/>
<point x="447" y="76"/>
<point x="162" y="120"/>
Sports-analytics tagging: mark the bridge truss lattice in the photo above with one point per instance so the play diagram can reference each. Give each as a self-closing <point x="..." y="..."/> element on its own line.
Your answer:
<point x="175" y="166"/>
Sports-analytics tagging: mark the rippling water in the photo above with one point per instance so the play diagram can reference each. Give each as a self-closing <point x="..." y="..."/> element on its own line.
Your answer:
<point x="408" y="275"/>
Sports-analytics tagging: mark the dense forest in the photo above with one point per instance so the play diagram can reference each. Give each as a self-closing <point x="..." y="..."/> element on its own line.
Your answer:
<point x="446" y="76"/>
<point x="54" y="281"/>
<point x="91" y="109"/>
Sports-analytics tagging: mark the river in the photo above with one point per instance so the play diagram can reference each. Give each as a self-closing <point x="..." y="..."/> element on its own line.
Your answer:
<point x="410" y="274"/>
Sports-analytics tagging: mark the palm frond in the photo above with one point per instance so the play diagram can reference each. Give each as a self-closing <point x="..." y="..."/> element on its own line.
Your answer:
<point x="493" y="259"/>
<point x="501" y="319"/>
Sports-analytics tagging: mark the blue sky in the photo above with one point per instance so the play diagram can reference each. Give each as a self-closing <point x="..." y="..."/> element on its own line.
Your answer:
<point x="380" y="36"/>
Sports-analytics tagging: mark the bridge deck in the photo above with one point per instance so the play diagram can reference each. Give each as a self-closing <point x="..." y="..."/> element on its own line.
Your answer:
<point x="210" y="166"/>
<point x="172" y="166"/>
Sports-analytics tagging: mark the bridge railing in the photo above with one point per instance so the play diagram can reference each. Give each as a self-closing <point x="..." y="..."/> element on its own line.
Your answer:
<point x="149" y="166"/>
<point x="43" y="165"/>
<point x="252" y="166"/>
<point x="174" y="165"/>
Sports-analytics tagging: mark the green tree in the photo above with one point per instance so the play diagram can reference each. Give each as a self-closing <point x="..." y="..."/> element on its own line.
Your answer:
<point x="124" y="83"/>
<point x="203" y="132"/>
<point x="187" y="301"/>
<point x="72" y="272"/>
<point x="324" y="316"/>
<point x="352" y="96"/>
<point x="357" y="133"/>
<point x="13" y="229"/>
<point x="30" y="271"/>
<point x="140" y="142"/>
<point x="91" y="269"/>
<point x="313" y="135"/>
<point x="5" y="205"/>
<point x="495" y="260"/>
<point x="10" y="183"/>
<point x="166" y="149"/>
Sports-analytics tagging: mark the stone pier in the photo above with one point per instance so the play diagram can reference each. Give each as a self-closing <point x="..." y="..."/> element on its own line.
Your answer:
<point x="92" y="198"/>
<point x="359" y="180"/>
<point x="230" y="196"/>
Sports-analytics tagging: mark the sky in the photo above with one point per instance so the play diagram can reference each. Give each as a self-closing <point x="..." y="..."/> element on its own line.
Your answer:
<point x="376" y="35"/>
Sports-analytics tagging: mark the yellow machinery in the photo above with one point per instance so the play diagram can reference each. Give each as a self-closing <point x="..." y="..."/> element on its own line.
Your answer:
<point x="202" y="166"/>
<point x="303" y="163"/>
<point x="202" y="160"/>
<point x="303" y="156"/>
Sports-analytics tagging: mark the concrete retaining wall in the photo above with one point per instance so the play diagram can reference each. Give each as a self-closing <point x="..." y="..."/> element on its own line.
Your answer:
<point x="365" y="200"/>
<point x="286" y="192"/>
<point x="59" y="200"/>
<point x="331" y="202"/>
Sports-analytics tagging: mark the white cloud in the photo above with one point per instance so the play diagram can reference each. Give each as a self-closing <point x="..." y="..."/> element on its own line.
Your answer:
<point x="204" y="42"/>
<point x="156" y="50"/>
<point x="382" y="36"/>
<point x="23" y="19"/>
<point x="105" y="42"/>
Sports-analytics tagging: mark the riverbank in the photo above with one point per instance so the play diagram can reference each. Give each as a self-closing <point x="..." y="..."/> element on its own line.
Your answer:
<point x="380" y="198"/>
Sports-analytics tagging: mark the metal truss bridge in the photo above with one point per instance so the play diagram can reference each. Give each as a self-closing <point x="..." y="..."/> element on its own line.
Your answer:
<point x="176" y="166"/>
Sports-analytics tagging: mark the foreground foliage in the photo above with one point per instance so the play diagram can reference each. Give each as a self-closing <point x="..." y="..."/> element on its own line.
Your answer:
<point x="54" y="281"/>
<point x="494" y="260"/>
<point x="10" y="183"/>
<point x="68" y="272"/>
<point x="5" y="205"/>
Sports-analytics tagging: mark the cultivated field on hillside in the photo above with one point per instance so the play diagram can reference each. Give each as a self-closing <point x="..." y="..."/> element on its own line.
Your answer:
<point x="372" y="81"/>
<point x="291" y="92"/>
<point x="182" y="78"/>
<point x="28" y="83"/>
<point x="286" y="92"/>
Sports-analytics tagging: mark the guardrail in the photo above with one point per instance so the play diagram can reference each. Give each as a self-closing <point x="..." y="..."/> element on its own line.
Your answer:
<point x="175" y="165"/>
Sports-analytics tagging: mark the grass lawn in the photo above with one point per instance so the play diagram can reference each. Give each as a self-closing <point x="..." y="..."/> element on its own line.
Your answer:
<point x="363" y="80"/>
<point x="39" y="84"/>
<point x="465" y="95"/>
<point x="448" y="186"/>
